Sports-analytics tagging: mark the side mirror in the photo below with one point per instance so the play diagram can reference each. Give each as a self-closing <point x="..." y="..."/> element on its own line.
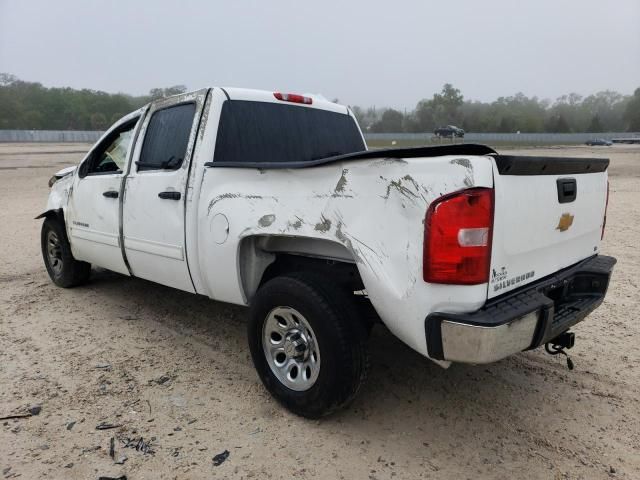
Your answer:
<point x="83" y="169"/>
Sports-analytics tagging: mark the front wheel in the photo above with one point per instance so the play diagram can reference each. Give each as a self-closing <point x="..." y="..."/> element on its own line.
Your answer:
<point x="308" y="343"/>
<point x="64" y="270"/>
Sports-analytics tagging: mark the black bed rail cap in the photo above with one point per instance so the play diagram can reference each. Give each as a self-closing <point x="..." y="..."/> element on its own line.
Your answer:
<point x="524" y="165"/>
<point x="410" y="152"/>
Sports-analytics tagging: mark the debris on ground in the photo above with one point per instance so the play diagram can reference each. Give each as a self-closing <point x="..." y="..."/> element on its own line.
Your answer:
<point x="220" y="458"/>
<point x="35" y="409"/>
<point x="19" y="415"/>
<point x="107" y="426"/>
<point x="90" y="449"/>
<point x="103" y="366"/>
<point x="121" y="477"/>
<point x="121" y="460"/>
<point x="70" y="425"/>
<point x="112" y="448"/>
<point x="31" y="411"/>
<point x="162" y="379"/>
<point x="139" y="445"/>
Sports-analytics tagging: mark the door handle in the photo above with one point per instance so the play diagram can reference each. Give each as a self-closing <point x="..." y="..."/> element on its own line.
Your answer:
<point x="170" y="195"/>
<point x="110" y="194"/>
<point x="567" y="190"/>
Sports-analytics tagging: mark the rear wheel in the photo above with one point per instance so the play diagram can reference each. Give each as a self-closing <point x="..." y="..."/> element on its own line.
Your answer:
<point x="64" y="270"/>
<point x="307" y="343"/>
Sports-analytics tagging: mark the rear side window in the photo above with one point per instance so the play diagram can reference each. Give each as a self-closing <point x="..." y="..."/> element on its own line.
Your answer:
<point x="167" y="137"/>
<point x="261" y="132"/>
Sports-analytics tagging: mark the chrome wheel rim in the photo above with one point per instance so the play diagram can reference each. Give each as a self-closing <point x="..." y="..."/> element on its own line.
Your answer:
<point x="54" y="252"/>
<point x="291" y="349"/>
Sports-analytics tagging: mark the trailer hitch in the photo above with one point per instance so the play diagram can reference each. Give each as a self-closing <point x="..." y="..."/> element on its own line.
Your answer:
<point x="558" y="344"/>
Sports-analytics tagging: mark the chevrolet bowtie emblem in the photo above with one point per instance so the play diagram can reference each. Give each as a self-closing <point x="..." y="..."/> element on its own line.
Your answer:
<point x="566" y="220"/>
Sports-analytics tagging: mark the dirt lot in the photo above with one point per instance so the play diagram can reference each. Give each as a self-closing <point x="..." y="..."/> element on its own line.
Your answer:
<point x="174" y="369"/>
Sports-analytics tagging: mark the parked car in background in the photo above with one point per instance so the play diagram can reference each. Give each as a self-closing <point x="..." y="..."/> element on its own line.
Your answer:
<point x="449" y="131"/>
<point x="599" y="142"/>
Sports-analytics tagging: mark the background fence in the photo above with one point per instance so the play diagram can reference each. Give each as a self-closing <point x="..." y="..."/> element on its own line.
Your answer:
<point x="498" y="138"/>
<point x="59" y="136"/>
<point x="49" y="136"/>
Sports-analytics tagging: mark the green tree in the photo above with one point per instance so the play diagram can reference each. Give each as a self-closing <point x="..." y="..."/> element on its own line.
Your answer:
<point x="595" y="126"/>
<point x="98" y="121"/>
<point x="632" y="112"/>
<point x="391" y="122"/>
<point x="447" y="102"/>
<point x="7" y="79"/>
<point x="442" y="109"/>
<point x="156" y="93"/>
<point x="558" y="124"/>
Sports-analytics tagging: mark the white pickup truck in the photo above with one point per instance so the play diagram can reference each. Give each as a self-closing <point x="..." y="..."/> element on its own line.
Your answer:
<point x="272" y="200"/>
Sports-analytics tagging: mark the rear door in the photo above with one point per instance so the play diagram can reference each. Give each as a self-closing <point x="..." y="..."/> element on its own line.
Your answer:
<point x="155" y="192"/>
<point x="549" y="214"/>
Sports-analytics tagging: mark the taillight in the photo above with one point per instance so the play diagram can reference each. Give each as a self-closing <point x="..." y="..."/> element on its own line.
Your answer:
<point x="457" y="238"/>
<point x="606" y="205"/>
<point x="293" y="98"/>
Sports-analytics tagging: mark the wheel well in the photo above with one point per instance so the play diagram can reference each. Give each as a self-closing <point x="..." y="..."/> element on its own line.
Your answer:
<point x="56" y="214"/>
<point x="342" y="273"/>
<point x="263" y="257"/>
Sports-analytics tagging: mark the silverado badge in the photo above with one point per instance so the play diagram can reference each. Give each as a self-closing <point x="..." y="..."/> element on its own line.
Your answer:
<point x="566" y="220"/>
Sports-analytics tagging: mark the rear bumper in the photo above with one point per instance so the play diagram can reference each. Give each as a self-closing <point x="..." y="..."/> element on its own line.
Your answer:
<point x="523" y="319"/>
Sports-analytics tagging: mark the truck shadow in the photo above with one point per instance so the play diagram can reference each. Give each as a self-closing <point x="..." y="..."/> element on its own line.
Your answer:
<point x="406" y="395"/>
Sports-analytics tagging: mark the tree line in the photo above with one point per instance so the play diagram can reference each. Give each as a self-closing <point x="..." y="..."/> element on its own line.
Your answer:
<point x="605" y="111"/>
<point x="31" y="106"/>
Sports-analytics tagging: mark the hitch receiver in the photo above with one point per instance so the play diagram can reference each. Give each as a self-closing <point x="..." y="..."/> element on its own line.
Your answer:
<point x="558" y="344"/>
<point x="564" y="340"/>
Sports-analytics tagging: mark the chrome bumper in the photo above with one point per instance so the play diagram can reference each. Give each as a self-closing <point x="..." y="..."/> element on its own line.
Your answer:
<point x="476" y="344"/>
<point x="523" y="319"/>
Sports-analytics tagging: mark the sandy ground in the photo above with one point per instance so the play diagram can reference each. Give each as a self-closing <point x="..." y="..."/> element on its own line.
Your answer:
<point x="174" y="369"/>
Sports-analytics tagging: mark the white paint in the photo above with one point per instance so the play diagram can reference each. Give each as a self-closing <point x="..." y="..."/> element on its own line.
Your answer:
<point x="219" y="228"/>
<point x="370" y="212"/>
<point x="92" y="220"/>
<point x="153" y="228"/>
<point x="526" y="237"/>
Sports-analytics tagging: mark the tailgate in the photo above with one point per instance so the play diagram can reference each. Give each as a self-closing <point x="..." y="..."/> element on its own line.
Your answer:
<point x="549" y="215"/>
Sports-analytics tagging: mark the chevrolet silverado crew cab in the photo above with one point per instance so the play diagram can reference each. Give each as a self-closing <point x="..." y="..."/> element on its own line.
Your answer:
<point x="272" y="200"/>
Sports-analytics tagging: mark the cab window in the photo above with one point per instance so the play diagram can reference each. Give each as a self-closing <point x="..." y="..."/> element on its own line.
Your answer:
<point x="111" y="156"/>
<point x="165" y="143"/>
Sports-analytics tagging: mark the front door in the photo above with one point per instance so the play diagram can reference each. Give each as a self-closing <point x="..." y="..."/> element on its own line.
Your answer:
<point x="92" y="215"/>
<point x="155" y="192"/>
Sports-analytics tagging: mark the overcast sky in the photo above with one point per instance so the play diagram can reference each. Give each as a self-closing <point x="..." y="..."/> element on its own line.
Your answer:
<point x="362" y="52"/>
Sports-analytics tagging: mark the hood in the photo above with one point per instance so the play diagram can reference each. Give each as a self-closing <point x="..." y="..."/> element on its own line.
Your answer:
<point x="65" y="171"/>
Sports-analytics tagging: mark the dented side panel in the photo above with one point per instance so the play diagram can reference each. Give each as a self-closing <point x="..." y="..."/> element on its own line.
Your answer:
<point x="373" y="208"/>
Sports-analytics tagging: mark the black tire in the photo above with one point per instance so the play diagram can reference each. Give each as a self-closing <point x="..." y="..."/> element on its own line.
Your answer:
<point x="340" y="335"/>
<point x="64" y="270"/>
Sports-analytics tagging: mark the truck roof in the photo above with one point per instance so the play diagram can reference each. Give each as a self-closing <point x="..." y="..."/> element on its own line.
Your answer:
<point x="248" y="94"/>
